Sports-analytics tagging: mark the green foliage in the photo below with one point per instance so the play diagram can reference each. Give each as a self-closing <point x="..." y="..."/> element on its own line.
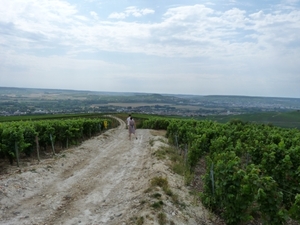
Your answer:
<point x="29" y="134"/>
<point x="253" y="171"/>
<point x="22" y="135"/>
<point x="157" y="205"/>
<point x="156" y="195"/>
<point x="155" y="123"/>
<point x="295" y="209"/>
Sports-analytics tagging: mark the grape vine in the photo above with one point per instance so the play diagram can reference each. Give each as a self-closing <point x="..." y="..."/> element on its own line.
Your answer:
<point x="252" y="170"/>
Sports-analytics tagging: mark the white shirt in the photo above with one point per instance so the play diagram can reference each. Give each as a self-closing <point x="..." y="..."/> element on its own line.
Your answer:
<point x="128" y="120"/>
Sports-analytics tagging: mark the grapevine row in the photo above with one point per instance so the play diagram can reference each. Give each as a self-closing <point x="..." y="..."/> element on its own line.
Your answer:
<point x="23" y="135"/>
<point x="252" y="170"/>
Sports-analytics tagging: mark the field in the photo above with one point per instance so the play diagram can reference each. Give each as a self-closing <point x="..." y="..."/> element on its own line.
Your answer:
<point x="280" y="119"/>
<point x="48" y="116"/>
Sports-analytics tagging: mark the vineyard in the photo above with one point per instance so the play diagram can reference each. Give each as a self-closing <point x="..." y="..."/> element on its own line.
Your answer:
<point x="252" y="171"/>
<point x="23" y="138"/>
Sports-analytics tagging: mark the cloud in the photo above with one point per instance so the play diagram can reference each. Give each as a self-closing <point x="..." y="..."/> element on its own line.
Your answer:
<point x="291" y="2"/>
<point x="39" y="24"/>
<point x="117" y="16"/>
<point x="57" y="71"/>
<point x="186" y="31"/>
<point x="131" y="11"/>
<point x="203" y="41"/>
<point x="269" y="28"/>
<point x="94" y="15"/>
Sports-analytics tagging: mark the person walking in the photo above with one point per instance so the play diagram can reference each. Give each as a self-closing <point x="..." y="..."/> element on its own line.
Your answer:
<point x="128" y="120"/>
<point x="132" y="128"/>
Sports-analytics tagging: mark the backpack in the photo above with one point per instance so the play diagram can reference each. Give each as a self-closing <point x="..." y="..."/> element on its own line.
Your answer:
<point x="131" y="123"/>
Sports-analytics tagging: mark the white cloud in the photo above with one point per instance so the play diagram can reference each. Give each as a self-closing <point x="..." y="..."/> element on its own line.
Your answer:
<point x="94" y="15"/>
<point x="48" y="18"/>
<point x="291" y="2"/>
<point x="235" y="18"/>
<point x="57" y="71"/>
<point x="131" y="11"/>
<point x="184" y="31"/>
<point x="276" y="30"/>
<point x="188" y="13"/>
<point x="38" y="36"/>
<point x="117" y="15"/>
<point x="257" y="15"/>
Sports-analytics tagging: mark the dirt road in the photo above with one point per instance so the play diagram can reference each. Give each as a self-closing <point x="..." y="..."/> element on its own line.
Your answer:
<point x="102" y="181"/>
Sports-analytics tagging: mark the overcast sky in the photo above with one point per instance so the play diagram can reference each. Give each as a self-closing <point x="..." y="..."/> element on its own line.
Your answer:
<point x="219" y="47"/>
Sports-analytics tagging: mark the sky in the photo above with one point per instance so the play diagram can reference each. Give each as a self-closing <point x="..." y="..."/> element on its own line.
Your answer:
<point x="233" y="47"/>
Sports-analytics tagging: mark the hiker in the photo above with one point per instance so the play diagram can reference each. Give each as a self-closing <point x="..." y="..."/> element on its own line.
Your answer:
<point x="132" y="128"/>
<point x="128" y="120"/>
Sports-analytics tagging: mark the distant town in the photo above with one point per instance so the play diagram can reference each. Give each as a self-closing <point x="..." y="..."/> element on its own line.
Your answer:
<point x="26" y="101"/>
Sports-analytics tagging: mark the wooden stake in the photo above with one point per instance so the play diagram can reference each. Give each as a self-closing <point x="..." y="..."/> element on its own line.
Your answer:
<point x="37" y="147"/>
<point x="52" y="144"/>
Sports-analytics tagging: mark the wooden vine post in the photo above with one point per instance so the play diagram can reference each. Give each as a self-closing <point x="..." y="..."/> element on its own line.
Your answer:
<point x="52" y="144"/>
<point x="37" y="147"/>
